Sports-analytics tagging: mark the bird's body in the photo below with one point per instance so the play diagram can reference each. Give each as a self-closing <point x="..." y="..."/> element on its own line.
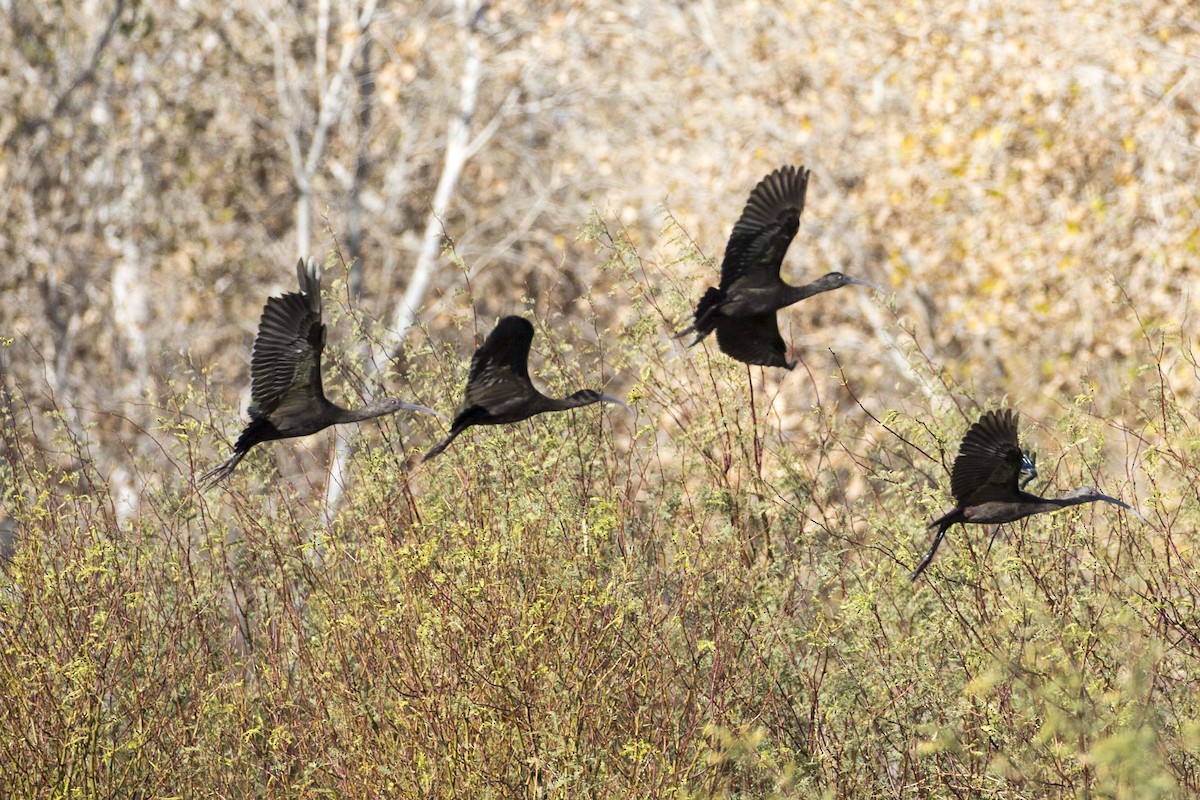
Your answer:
<point x="742" y="308"/>
<point x="499" y="390"/>
<point x="286" y="395"/>
<point x="985" y="482"/>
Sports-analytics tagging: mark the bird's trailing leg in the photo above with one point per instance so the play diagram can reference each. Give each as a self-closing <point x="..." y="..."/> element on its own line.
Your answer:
<point x="916" y="573"/>
<point x="220" y="472"/>
<point x="991" y="541"/>
<point x="442" y="446"/>
<point x="942" y="524"/>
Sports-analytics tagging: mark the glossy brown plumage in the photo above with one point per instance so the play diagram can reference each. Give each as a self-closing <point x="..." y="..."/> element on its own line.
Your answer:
<point x="985" y="482"/>
<point x="286" y="395"/>
<point x="499" y="389"/>
<point x="742" y="308"/>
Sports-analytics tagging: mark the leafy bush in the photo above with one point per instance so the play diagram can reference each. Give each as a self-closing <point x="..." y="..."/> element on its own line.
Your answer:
<point x="706" y="596"/>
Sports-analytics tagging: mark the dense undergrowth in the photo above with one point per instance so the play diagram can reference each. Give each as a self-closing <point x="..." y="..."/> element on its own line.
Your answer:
<point x="706" y="596"/>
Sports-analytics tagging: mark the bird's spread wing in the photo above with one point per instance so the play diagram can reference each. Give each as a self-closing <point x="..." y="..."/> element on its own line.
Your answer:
<point x="989" y="460"/>
<point x="500" y="367"/>
<point x="286" y="365"/>
<point x="766" y="228"/>
<point x="753" y="340"/>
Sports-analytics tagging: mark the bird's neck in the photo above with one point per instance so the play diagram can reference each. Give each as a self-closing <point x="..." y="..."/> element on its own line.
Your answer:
<point x="1042" y="504"/>
<point x="369" y="411"/>
<point x="795" y="294"/>
<point x="572" y="401"/>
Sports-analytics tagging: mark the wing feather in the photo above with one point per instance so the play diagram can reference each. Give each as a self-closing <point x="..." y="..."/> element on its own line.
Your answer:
<point x="500" y="367"/>
<point x="766" y="228"/>
<point x="286" y="364"/>
<point x="989" y="461"/>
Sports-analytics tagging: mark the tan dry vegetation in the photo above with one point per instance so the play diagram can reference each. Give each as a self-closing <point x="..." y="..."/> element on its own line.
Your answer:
<point x="704" y="597"/>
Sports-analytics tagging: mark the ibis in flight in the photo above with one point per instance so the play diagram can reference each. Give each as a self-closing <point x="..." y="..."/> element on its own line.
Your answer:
<point x="987" y="477"/>
<point x="498" y="387"/>
<point x="742" y="308"/>
<point x="286" y="397"/>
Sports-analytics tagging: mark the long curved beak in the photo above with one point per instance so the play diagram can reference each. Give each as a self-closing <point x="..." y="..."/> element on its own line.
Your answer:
<point x="604" y="398"/>
<point x="1123" y="505"/>
<point x="423" y="409"/>
<point x="861" y="282"/>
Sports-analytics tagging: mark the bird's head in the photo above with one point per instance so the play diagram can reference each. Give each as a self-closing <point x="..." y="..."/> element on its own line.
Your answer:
<point x="585" y="397"/>
<point x="1090" y="494"/>
<point x="836" y="280"/>
<point x="389" y="405"/>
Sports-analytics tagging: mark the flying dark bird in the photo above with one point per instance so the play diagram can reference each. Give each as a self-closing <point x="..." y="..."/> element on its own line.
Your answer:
<point x="286" y="398"/>
<point x="742" y="309"/>
<point x="499" y="390"/>
<point x="984" y="482"/>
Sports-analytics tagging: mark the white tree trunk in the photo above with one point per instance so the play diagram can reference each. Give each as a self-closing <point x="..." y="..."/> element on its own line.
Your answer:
<point x="130" y="292"/>
<point x="459" y="149"/>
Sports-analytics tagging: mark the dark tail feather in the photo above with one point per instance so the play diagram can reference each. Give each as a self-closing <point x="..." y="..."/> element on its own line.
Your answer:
<point x="445" y="443"/>
<point x="221" y="471"/>
<point x="707" y="311"/>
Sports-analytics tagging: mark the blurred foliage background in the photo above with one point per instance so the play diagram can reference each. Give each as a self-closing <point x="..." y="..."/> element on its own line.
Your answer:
<point x="704" y="597"/>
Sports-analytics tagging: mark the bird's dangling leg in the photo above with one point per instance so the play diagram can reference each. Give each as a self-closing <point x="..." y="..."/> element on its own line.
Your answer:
<point x="991" y="541"/>
<point x="758" y="442"/>
<point x="916" y="573"/>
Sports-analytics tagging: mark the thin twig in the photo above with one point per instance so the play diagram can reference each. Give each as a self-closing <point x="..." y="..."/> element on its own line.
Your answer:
<point x="854" y="397"/>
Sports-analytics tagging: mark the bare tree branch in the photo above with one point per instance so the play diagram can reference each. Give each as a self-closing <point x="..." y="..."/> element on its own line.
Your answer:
<point x="331" y="99"/>
<point x="458" y="150"/>
<point x="85" y="75"/>
<point x="362" y="164"/>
